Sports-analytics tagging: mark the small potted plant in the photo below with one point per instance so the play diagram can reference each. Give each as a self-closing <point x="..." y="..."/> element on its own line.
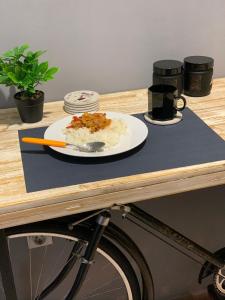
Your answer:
<point x="21" y="68"/>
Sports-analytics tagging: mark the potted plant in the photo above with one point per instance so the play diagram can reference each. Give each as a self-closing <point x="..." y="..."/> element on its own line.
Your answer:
<point x="21" y="68"/>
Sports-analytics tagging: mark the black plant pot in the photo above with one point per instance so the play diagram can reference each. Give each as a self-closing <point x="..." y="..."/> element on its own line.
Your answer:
<point x="30" y="108"/>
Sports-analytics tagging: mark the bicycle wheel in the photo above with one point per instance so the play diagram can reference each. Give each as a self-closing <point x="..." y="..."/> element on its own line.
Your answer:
<point x="36" y="264"/>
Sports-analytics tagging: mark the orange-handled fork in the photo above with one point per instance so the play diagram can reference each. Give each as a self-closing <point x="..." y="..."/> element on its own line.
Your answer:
<point x="88" y="147"/>
<point x="46" y="142"/>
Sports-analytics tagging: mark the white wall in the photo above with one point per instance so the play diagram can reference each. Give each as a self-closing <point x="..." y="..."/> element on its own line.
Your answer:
<point x="111" y="45"/>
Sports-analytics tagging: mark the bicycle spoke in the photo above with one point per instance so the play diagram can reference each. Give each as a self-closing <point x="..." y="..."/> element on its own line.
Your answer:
<point x="101" y="289"/>
<point x="60" y="257"/>
<point x="90" y="277"/>
<point x="104" y="285"/>
<point x="41" y="271"/>
<point x="105" y="280"/>
<point x="103" y="293"/>
<point x="30" y="274"/>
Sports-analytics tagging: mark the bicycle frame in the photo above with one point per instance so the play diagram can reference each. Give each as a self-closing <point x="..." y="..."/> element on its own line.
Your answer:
<point x="130" y="212"/>
<point x="148" y="220"/>
<point x="173" y="235"/>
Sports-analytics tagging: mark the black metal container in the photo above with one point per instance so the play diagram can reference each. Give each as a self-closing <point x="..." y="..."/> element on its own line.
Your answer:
<point x="198" y="71"/>
<point x="169" y="72"/>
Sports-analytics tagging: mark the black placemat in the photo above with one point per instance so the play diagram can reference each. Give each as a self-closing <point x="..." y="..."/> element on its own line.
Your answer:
<point x="187" y="143"/>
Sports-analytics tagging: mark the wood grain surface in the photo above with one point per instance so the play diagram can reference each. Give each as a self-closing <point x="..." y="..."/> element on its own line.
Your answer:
<point x="18" y="207"/>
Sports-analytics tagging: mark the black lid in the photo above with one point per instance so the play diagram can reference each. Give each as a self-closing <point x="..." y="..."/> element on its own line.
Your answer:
<point x="198" y="63"/>
<point x="167" y="67"/>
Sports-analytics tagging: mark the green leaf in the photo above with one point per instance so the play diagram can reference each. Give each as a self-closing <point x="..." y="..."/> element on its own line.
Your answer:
<point x="33" y="56"/>
<point x="30" y="60"/>
<point x="13" y="77"/>
<point x="3" y="79"/>
<point x="38" y="53"/>
<point x="19" y="51"/>
<point x="35" y="67"/>
<point x="9" y="53"/>
<point x="8" y="68"/>
<point x="49" y="74"/>
<point x="21" y="68"/>
<point x="19" y="72"/>
<point x="43" y="67"/>
<point x="29" y="53"/>
<point x="31" y="90"/>
<point x="16" y="52"/>
<point x="52" y="71"/>
<point x="47" y="78"/>
<point x="23" y="48"/>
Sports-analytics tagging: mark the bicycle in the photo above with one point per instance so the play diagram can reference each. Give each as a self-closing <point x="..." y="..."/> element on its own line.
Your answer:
<point x="97" y="259"/>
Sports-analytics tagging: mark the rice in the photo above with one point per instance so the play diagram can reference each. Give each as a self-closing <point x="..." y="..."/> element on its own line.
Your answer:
<point x="110" y="135"/>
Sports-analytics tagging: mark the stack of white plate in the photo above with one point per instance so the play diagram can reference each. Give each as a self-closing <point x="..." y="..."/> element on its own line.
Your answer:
<point x="81" y="101"/>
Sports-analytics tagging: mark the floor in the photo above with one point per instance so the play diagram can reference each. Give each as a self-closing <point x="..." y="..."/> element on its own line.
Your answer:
<point x="206" y="296"/>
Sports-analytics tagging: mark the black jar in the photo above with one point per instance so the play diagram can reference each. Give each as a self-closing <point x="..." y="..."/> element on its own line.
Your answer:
<point x="198" y="71"/>
<point x="169" y="72"/>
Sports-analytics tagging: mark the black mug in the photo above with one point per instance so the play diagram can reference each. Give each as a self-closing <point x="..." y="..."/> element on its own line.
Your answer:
<point x="162" y="102"/>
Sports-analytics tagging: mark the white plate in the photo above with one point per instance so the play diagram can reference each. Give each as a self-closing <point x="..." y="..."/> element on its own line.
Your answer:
<point x="72" y="98"/>
<point x="83" y="105"/>
<point x="137" y="132"/>
<point x="74" y="112"/>
<point x="77" y="108"/>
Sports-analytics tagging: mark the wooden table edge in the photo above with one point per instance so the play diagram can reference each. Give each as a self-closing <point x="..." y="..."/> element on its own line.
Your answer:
<point x="175" y="181"/>
<point x="30" y="207"/>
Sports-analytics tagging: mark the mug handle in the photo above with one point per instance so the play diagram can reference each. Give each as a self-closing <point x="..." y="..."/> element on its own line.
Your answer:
<point x="185" y="102"/>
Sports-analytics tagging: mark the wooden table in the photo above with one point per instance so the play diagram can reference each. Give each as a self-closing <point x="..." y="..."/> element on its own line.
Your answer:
<point x="18" y="207"/>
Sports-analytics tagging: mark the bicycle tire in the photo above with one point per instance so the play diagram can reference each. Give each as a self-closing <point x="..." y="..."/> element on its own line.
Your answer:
<point x="119" y="237"/>
<point x="83" y="234"/>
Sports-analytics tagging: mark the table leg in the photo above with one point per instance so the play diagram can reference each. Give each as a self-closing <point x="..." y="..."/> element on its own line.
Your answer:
<point x="6" y="268"/>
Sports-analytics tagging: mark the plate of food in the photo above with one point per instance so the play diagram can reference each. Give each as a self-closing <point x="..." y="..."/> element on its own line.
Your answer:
<point x="118" y="131"/>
